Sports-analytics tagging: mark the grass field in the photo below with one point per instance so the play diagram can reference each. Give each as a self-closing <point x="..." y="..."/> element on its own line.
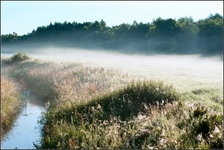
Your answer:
<point x="100" y="107"/>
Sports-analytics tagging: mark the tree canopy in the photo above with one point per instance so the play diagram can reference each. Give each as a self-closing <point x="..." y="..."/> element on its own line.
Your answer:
<point x="169" y="36"/>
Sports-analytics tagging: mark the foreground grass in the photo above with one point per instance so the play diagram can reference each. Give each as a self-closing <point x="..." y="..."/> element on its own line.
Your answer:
<point x="105" y="121"/>
<point x="10" y="105"/>
<point x="142" y="115"/>
<point x="101" y="108"/>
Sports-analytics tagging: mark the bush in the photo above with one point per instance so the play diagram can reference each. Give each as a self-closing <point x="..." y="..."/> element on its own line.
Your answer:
<point x="88" y="118"/>
<point x="205" y="127"/>
<point x="129" y="101"/>
<point x="18" y="57"/>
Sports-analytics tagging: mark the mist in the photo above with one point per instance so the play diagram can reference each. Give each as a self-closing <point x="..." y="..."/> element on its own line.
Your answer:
<point x="185" y="72"/>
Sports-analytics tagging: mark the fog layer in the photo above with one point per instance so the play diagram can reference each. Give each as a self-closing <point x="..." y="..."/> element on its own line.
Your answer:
<point x="185" y="72"/>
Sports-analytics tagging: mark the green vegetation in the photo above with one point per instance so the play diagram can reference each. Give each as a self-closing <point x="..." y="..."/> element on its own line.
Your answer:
<point x="90" y="122"/>
<point x="167" y="36"/>
<point x="10" y="104"/>
<point x="205" y="96"/>
<point x="18" y="57"/>
<point x="50" y="81"/>
<point x="133" y="117"/>
<point x="95" y="108"/>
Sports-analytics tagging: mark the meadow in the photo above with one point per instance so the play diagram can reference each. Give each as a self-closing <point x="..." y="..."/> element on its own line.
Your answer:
<point x="98" y="106"/>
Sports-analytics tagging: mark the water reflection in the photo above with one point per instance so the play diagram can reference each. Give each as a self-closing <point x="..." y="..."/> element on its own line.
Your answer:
<point x="25" y="130"/>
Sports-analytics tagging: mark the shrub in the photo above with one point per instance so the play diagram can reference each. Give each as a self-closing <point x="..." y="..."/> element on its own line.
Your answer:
<point x="204" y="129"/>
<point x="121" y="105"/>
<point x="18" y="57"/>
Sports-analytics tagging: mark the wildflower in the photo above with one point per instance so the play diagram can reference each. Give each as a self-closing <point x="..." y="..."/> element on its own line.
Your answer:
<point x="216" y="130"/>
<point x="58" y="144"/>
<point x="199" y="137"/>
<point x="98" y="106"/>
<point x="163" y="133"/>
<point x="140" y="117"/>
<point x="145" y="106"/>
<point x="150" y="147"/>
<point x="162" y="142"/>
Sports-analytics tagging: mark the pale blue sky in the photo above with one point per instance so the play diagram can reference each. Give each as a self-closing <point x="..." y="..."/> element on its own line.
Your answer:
<point x="24" y="16"/>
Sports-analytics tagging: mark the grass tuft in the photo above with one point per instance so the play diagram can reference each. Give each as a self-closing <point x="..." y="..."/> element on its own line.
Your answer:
<point x="18" y="57"/>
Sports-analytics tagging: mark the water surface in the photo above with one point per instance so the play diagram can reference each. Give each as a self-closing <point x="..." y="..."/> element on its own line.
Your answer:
<point x="25" y="130"/>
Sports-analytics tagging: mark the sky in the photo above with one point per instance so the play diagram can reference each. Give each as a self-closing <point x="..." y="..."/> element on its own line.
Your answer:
<point x="22" y="17"/>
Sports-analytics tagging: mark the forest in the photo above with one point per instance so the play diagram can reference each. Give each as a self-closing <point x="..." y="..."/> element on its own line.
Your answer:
<point x="163" y="36"/>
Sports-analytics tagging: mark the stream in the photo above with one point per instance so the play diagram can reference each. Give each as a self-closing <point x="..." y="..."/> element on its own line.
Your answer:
<point x="25" y="130"/>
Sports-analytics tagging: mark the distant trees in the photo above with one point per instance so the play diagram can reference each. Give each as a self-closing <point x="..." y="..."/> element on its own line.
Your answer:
<point x="211" y="32"/>
<point x="9" y="38"/>
<point x="162" y="35"/>
<point x="187" y="36"/>
<point x="182" y="36"/>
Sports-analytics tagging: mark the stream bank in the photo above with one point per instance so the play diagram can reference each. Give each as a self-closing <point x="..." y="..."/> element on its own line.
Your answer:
<point x="25" y="130"/>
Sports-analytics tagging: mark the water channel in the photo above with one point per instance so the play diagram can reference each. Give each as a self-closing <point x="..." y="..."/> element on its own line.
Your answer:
<point x="25" y="131"/>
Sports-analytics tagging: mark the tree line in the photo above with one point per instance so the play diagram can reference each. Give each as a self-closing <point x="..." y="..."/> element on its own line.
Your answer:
<point x="167" y="36"/>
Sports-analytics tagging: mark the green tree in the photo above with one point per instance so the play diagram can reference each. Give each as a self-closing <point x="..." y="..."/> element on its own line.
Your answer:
<point x="187" y="36"/>
<point x="211" y="34"/>
<point x="162" y="35"/>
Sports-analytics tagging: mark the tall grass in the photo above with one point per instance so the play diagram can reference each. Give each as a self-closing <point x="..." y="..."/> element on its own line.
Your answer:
<point x="10" y="104"/>
<point x="95" y="108"/>
<point x="133" y="117"/>
<point x="95" y="117"/>
<point x="68" y="82"/>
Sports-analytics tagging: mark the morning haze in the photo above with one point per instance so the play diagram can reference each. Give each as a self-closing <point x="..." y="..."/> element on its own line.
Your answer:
<point x="92" y="85"/>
